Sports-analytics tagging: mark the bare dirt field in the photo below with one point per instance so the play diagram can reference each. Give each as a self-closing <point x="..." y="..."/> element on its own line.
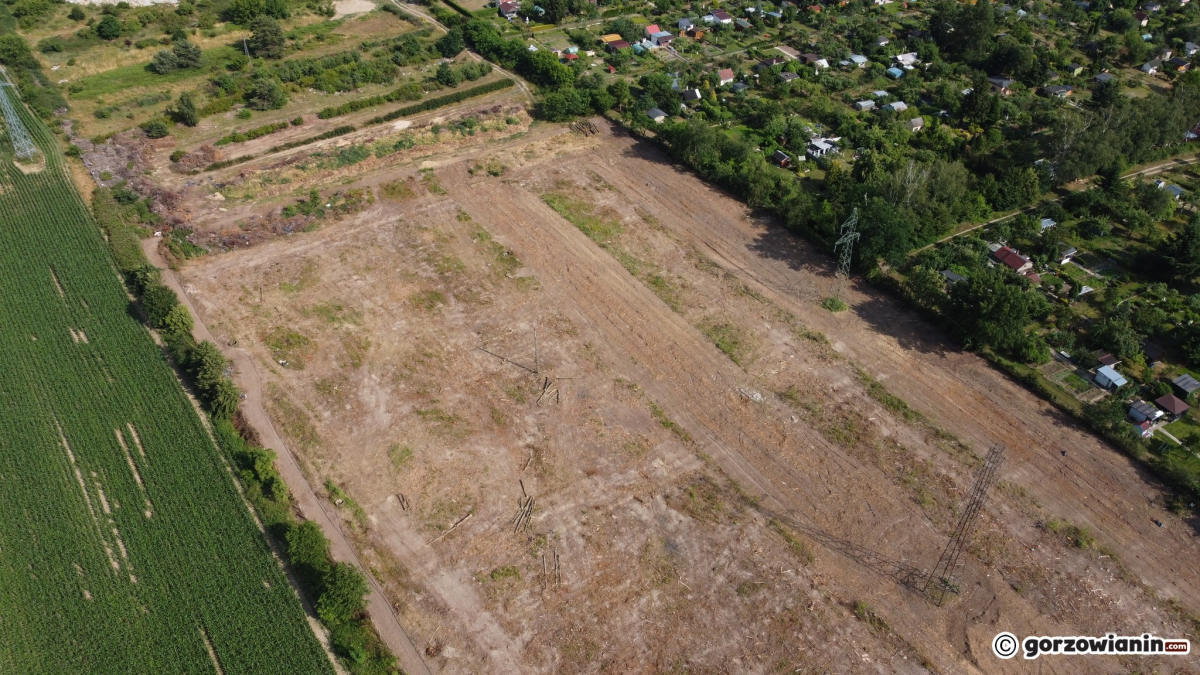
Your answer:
<point x="580" y="412"/>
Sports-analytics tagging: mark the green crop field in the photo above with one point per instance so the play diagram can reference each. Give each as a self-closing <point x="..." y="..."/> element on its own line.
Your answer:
<point x="125" y="545"/>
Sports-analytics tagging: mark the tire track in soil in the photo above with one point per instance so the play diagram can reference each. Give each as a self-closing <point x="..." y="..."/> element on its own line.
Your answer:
<point x="1092" y="485"/>
<point x="799" y="474"/>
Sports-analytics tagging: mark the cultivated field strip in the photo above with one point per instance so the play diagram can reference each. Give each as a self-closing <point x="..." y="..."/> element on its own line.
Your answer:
<point x="120" y="550"/>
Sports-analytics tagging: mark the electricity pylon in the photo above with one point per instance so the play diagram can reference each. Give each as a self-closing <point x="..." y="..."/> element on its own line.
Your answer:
<point x="844" y="247"/>
<point x="22" y="144"/>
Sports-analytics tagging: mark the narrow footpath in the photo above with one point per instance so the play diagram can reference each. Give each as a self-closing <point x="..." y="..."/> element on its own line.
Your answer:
<point x="247" y="378"/>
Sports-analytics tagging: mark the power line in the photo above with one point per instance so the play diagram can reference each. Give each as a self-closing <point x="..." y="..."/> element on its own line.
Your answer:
<point x="22" y="143"/>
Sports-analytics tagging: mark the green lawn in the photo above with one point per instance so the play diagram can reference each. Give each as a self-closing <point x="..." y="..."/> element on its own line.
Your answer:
<point x="121" y="80"/>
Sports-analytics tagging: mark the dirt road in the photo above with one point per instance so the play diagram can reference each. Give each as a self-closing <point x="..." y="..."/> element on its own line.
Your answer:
<point x="247" y="378"/>
<point x="1091" y="485"/>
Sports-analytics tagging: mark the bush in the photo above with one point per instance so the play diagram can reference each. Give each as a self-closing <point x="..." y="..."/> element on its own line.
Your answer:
<point x="434" y="103"/>
<point x="108" y="28"/>
<point x="308" y="550"/>
<point x="155" y="128"/>
<point x="343" y="594"/>
<point x="76" y="13"/>
<point x="242" y="136"/>
<point x="157" y="303"/>
<point x="267" y="94"/>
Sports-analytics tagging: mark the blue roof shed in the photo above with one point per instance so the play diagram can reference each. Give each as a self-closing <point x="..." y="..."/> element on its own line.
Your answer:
<point x="895" y="73"/>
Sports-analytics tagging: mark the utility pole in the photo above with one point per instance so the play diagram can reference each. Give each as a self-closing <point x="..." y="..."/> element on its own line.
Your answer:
<point x="22" y="144"/>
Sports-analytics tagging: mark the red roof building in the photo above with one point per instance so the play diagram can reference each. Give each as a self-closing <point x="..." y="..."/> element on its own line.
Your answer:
<point x="1015" y="261"/>
<point x="652" y="29"/>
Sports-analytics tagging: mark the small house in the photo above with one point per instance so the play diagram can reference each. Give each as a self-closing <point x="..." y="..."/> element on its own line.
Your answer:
<point x="1152" y="351"/>
<point x="788" y="76"/>
<point x="787" y="51"/>
<point x="1144" y="429"/>
<point x="661" y="38"/>
<point x="695" y="33"/>
<point x="952" y="277"/>
<point x="657" y="115"/>
<point x="1186" y="384"/>
<point x="1151" y="67"/>
<point x="739" y="87"/>
<point x="1001" y="85"/>
<point x="1107" y="359"/>
<point x="858" y="60"/>
<point x="1012" y="259"/>
<point x="509" y="10"/>
<point x="1058" y="91"/>
<point x="770" y="63"/>
<point x="896" y="106"/>
<point x="1103" y="77"/>
<point x="1190" y="48"/>
<point x="725" y="76"/>
<point x="610" y="38"/>
<point x="1074" y="69"/>
<point x="809" y="59"/>
<point x="722" y="17"/>
<point x="1173" y="405"/>
<point x="685" y="24"/>
<point x="691" y="95"/>
<point x="1047" y="223"/>
<point x="742" y="25"/>
<point x="894" y="73"/>
<point x="1108" y="378"/>
<point x="652" y="29"/>
<point x="1066" y="253"/>
<point x="819" y="147"/>
<point x="915" y="124"/>
<point x="881" y="41"/>
<point x="618" y="45"/>
<point x="863" y="106"/>
<point x="1177" y="65"/>
<point x="907" y="60"/>
<point x="1141" y="18"/>
<point x="1140" y="411"/>
<point x="879" y="93"/>
<point x="781" y="159"/>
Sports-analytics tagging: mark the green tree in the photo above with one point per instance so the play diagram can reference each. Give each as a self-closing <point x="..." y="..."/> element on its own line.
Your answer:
<point x="185" y="110"/>
<point x="223" y="399"/>
<point x="343" y="595"/>
<point x="178" y="321"/>
<point x="157" y="303"/>
<point x="187" y="55"/>
<point x="543" y="69"/>
<point x="450" y="44"/>
<point x="163" y="62"/>
<point x="308" y="551"/>
<point x="1183" y="253"/>
<point x="277" y="8"/>
<point x="447" y="75"/>
<point x="267" y="94"/>
<point x="244" y="11"/>
<point x="620" y="93"/>
<point x="992" y="309"/>
<point x="76" y="13"/>
<point x="926" y="286"/>
<point x="266" y="38"/>
<point x="556" y="10"/>
<point x="109" y="28"/>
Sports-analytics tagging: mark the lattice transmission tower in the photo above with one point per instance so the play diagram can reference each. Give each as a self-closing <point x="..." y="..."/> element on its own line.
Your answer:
<point x="844" y="247"/>
<point x="940" y="580"/>
<point x="22" y="143"/>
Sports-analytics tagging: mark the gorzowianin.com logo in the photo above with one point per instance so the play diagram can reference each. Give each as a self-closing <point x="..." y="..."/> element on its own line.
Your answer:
<point x="1006" y="645"/>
